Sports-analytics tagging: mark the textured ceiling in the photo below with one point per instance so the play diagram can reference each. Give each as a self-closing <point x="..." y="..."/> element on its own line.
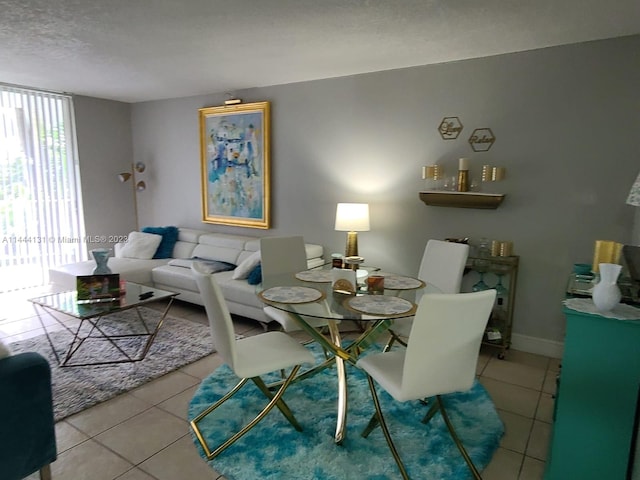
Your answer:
<point x="138" y="50"/>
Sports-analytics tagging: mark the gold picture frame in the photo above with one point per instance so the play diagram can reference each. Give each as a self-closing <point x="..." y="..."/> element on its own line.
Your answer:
<point x="235" y="164"/>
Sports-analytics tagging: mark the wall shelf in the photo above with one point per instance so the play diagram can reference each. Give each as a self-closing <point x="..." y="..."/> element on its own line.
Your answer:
<point x="439" y="198"/>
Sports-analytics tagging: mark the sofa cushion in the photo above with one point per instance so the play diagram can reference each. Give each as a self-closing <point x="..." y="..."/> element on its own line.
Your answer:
<point x="140" y="245"/>
<point x="238" y="291"/>
<point x="181" y="262"/>
<point x="183" y="249"/>
<point x="252" y="245"/>
<point x="190" y="235"/>
<point x="225" y="240"/>
<point x="169" y="239"/>
<point x="243" y="270"/>
<point x="177" y="277"/>
<point x="209" y="266"/>
<point x="212" y="252"/>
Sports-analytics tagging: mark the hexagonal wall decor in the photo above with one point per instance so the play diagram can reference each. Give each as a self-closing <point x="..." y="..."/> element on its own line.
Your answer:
<point x="481" y="139"/>
<point x="450" y="128"/>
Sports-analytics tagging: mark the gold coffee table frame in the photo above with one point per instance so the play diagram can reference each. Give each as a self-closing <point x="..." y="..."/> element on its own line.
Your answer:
<point x="96" y="315"/>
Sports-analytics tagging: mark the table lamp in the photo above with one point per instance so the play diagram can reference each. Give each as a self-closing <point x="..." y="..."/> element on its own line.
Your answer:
<point x="352" y="218"/>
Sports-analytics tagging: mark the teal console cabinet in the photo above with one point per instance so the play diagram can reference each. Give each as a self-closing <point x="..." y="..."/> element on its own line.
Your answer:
<point x="597" y="399"/>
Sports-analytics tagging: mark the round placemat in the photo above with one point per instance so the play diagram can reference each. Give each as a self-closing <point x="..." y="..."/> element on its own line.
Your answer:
<point x="397" y="282"/>
<point x="291" y="294"/>
<point x="317" y="276"/>
<point x="382" y="305"/>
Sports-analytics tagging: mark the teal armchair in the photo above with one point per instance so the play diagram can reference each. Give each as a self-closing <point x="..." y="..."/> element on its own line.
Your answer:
<point x="27" y="431"/>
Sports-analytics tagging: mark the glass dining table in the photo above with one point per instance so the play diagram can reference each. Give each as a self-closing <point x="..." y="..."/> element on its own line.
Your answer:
<point x="309" y="294"/>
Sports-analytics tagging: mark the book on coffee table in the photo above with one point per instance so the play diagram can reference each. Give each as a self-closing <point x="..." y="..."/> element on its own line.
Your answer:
<point x="98" y="288"/>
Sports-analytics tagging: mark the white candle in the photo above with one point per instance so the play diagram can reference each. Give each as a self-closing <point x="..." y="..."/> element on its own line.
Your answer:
<point x="463" y="164"/>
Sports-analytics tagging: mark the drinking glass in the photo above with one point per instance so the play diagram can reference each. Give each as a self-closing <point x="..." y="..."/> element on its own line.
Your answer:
<point x="501" y="290"/>
<point x="480" y="285"/>
<point x="481" y="267"/>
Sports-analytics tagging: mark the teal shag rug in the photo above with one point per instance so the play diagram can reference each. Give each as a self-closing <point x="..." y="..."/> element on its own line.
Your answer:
<point x="273" y="449"/>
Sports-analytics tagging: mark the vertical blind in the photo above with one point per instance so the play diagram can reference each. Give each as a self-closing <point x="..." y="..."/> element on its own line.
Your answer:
<point x="40" y="201"/>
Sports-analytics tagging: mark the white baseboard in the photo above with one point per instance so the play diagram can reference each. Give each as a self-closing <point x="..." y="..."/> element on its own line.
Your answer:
<point x="539" y="346"/>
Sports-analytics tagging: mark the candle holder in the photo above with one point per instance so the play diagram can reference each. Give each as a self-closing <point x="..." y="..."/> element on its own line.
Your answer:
<point x="463" y="175"/>
<point x="462" y="189"/>
<point x="375" y="284"/>
<point x="433" y="175"/>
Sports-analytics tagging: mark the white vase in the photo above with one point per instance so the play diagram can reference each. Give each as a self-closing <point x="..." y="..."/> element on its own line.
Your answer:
<point x="606" y="294"/>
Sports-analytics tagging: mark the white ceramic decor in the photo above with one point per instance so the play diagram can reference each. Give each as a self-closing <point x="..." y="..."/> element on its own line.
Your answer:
<point x="606" y="294"/>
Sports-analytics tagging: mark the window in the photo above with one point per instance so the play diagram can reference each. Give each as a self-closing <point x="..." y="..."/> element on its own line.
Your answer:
<point x="41" y="216"/>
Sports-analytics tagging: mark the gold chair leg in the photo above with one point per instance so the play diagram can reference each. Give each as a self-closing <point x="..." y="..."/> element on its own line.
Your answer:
<point x="385" y="430"/>
<point x="432" y="411"/>
<point x="45" y="472"/>
<point x="456" y="439"/>
<point x="392" y="339"/>
<point x="371" y="426"/>
<point x="282" y="406"/>
<point x="306" y="374"/>
<point x="275" y="399"/>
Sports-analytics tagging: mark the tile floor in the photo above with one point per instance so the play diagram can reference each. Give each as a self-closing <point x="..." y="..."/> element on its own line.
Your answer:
<point x="144" y="435"/>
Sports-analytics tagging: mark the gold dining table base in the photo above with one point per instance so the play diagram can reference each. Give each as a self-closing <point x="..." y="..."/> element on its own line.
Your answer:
<point x="341" y="356"/>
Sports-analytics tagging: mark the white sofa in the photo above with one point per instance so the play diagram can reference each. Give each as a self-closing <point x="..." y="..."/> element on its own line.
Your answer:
<point x="173" y="275"/>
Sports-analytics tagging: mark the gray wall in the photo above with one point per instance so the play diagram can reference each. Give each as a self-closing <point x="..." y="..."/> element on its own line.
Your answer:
<point x="104" y="150"/>
<point x="566" y="121"/>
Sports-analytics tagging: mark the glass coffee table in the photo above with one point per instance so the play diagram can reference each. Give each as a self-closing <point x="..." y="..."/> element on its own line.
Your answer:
<point x="99" y="322"/>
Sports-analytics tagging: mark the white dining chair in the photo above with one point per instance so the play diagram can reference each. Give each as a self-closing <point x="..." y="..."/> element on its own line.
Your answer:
<point x="441" y="268"/>
<point x="440" y="358"/>
<point x="249" y="358"/>
<point x="281" y="255"/>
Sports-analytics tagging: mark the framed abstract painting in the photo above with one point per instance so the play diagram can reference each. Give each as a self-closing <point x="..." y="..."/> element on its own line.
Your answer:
<point x="234" y="150"/>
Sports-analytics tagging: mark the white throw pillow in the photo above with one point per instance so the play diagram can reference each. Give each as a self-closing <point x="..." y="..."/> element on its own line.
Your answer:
<point x="243" y="270"/>
<point x="140" y="245"/>
<point x="4" y="350"/>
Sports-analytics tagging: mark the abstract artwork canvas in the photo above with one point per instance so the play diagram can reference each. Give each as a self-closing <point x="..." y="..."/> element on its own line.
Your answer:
<point x="234" y="145"/>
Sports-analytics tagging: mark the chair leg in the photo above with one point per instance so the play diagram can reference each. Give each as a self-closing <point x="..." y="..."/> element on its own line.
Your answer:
<point x="392" y="339"/>
<point x="374" y="421"/>
<point x="275" y="399"/>
<point x="456" y="439"/>
<point x="432" y="411"/>
<point x="385" y="430"/>
<point x="282" y="406"/>
<point x="45" y="472"/>
<point x="306" y="374"/>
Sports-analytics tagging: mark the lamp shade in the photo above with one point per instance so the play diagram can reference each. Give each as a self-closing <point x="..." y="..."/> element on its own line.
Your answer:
<point x="634" y="194"/>
<point x="352" y="217"/>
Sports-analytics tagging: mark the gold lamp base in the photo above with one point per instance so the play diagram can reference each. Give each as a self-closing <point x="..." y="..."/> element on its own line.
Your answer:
<point x="352" y="244"/>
